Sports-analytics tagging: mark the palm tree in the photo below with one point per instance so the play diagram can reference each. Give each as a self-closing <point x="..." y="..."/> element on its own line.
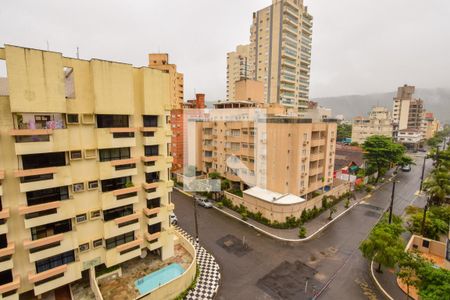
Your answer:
<point x="437" y="186"/>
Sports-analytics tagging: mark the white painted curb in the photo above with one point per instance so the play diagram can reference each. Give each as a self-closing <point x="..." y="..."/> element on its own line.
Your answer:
<point x="378" y="284"/>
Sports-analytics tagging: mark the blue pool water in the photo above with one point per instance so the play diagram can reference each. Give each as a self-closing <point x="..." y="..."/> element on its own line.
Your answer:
<point x="154" y="280"/>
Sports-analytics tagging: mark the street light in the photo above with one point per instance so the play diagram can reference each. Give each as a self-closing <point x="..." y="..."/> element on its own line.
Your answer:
<point x="423" y="172"/>
<point x="391" y="207"/>
<point x="424" y="217"/>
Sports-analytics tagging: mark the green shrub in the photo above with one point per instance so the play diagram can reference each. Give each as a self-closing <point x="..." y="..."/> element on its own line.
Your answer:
<point x="302" y="232"/>
<point x="369" y="189"/>
<point x="347" y="203"/>
<point x="244" y="215"/>
<point x="220" y="205"/>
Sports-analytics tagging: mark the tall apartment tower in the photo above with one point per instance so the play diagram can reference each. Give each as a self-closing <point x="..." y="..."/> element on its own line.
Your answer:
<point x="84" y="168"/>
<point x="280" y="52"/>
<point x="160" y="61"/>
<point x="408" y="112"/>
<point x="238" y="68"/>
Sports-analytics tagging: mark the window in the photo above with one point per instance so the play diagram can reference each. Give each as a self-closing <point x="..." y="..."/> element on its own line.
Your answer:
<point x="81" y="218"/>
<point x="112" y="121"/>
<point x="84" y="247"/>
<point x="154" y="228"/>
<point x="92" y="185"/>
<point x="111" y="214"/>
<point x="47" y="195"/>
<point x="150" y="121"/>
<point x="116" y="183"/>
<point x="95" y="214"/>
<point x="43" y="160"/>
<point x="97" y="243"/>
<point x="114" y="154"/>
<point x="47" y="230"/>
<point x="78" y="187"/>
<point x="75" y="155"/>
<point x="55" y="261"/>
<point x="73" y="119"/>
<point x="426" y="243"/>
<point x="152" y="150"/>
<point x="119" y="240"/>
<point x="152" y="177"/>
<point x="153" y="203"/>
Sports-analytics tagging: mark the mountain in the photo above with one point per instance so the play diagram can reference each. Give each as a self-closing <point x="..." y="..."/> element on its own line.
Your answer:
<point x="435" y="100"/>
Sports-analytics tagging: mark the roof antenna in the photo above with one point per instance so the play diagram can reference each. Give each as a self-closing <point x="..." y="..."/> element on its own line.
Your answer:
<point x="78" y="52"/>
<point x="48" y="45"/>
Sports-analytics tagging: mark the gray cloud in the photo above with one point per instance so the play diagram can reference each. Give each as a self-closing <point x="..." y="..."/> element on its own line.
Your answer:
<point x="359" y="46"/>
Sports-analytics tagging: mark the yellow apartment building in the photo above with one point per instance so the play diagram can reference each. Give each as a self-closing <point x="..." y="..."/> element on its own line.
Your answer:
<point x="160" y="61"/>
<point x="238" y="68"/>
<point x="252" y="143"/>
<point x="84" y="168"/>
<point x="379" y="122"/>
<point x="280" y="52"/>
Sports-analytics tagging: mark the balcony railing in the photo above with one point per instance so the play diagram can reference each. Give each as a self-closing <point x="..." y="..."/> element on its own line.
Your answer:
<point x="10" y="286"/>
<point x="42" y="178"/>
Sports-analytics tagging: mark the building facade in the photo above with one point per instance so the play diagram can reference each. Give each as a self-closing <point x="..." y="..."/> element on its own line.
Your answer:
<point x="238" y="68"/>
<point x="160" y="61"/>
<point x="84" y="168"/>
<point x="280" y="52"/>
<point x="430" y="125"/>
<point x="191" y="107"/>
<point x="379" y="122"/>
<point x="251" y="144"/>
<point x="408" y="111"/>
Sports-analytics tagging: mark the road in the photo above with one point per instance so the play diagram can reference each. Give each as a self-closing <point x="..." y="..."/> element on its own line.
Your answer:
<point x="254" y="266"/>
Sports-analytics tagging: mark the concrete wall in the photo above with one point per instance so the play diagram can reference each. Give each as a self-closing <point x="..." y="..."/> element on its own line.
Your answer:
<point x="279" y="212"/>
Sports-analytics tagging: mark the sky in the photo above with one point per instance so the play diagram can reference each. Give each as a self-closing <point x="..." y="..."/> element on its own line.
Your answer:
<point x="359" y="46"/>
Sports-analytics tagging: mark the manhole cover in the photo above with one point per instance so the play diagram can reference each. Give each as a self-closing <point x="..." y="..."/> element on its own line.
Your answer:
<point x="234" y="245"/>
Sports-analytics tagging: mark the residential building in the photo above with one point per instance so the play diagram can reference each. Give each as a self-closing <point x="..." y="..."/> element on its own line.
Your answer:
<point x="348" y="159"/>
<point x="160" y="61"/>
<point x="408" y="111"/>
<point x="238" y="68"/>
<point x="84" y="169"/>
<point x="191" y="107"/>
<point x="280" y="52"/>
<point x="430" y="125"/>
<point x="254" y="144"/>
<point x="379" y="122"/>
<point x="410" y="138"/>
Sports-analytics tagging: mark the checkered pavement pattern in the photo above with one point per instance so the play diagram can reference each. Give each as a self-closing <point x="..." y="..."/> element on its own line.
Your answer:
<point x="209" y="278"/>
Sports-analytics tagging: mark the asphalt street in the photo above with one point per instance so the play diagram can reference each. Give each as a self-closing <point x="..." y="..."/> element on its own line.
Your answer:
<point x="254" y="266"/>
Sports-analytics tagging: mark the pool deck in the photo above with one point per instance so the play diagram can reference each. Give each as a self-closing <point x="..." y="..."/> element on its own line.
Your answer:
<point x="132" y="270"/>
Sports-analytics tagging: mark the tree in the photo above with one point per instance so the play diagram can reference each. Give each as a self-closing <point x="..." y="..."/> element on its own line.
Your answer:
<point x="409" y="265"/>
<point x="384" y="245"/>
<point x="434" y="226"/>
<point x="381" y="153"/>
<point x="437" y="185"/>
<point x="434" y="282"/>
<point x="344" y="131"/>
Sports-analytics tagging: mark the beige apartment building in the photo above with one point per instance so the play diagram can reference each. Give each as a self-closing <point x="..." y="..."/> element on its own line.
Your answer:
<point x="379" y="122"/>
<point x="430" y="125"/>
<point x="238" y="68"/>
<point x="84" y="169"/>
<point x="408" y="111"/>
<point x="160" y="61"/>
<point x="256" y="144"/>
<point x="280" y="52"/>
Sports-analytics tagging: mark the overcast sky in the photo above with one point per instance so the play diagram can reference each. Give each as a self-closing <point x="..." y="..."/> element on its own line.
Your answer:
<point x="359" y="46"/>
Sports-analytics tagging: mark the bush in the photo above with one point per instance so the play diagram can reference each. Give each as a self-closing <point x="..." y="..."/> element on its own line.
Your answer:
<point x="369" y="189"/>
<point x="347" y="203"/>
<point x="302" y="232"/>
<point x="220" y="205"/>
<point x="244" y="215"/>
<point x="325" y="202"/>
<point x="227" y="202"/>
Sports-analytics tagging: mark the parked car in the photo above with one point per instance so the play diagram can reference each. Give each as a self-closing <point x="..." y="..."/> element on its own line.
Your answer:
<point x="203" y="201"/>
<point x="173" y="219"/>
<point x="406" y="168"/>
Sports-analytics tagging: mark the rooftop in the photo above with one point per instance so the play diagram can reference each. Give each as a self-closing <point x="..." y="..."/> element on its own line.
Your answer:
<point x="273" y="197"/>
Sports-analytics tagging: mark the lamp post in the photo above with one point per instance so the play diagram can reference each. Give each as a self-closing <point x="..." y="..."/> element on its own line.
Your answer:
<point x="423" y="172"/>
<point x="425" y="209"/>
<point x="391" y="207"/>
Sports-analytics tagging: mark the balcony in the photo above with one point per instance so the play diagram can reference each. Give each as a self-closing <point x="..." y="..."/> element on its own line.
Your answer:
<point x="123" y="252"/>
<point x="208" y="147"/>
<point x="121" y="225"/>
<point x="4" y="215"/>
<point x="10" y="287"/>
<point x="317" y="142"/>
<point x="153" y="215"/>
<point x="115" y="137"/>
<point x="47" y="213"/>
<point x="155" y="136"/>
<point x="54" y="278"/>
<point x="120" y="197"/>
<point x="51" y="246"/>
<point x="315" y="171"/>
<point x="154" y="193"/>
<point x="232" y="177"/>
<point x="159" y="163"/>
<point x="207" y="158"/>
<point x="6" y="262"/>
<point x="31" y="141"/>
<point x="317" y="156"/>
<point x="43" y="178"/>
<point x="118" y="168"/>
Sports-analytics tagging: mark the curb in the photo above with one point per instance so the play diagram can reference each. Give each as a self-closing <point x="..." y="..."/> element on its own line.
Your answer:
<point x="386" y="294"/>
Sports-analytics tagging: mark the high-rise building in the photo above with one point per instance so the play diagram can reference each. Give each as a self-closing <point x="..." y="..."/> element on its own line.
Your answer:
<point x="379" y="122"/>
<point x="430" y="125"/>
<point x="160" y="61"/>
<point x="280" y="52"/>
<point x="191" y="107"/>
<point x="238" y="68"/>
<point x="84" y="169"/>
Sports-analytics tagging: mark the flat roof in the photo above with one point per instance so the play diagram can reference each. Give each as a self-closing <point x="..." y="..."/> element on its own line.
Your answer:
<point x="273" y="197"/>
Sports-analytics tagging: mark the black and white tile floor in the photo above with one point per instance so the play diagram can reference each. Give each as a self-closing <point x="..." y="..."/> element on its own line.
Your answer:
<point x="209" y="278"/>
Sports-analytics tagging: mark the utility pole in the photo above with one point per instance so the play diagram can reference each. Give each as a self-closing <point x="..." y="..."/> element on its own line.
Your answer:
<point x="391" y="207"/>
<point x="424" y="218"/>
<point x="195" y="219"/>
<point x="423" y="172"/>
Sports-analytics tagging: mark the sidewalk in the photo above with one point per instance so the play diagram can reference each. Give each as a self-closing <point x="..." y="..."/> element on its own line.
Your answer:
<point x="387" y="283"/>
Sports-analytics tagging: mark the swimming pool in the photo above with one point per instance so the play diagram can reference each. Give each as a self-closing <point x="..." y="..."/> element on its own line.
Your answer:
<point x="154" y="280"/>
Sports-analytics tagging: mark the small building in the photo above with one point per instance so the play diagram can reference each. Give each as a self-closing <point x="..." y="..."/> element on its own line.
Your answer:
<point x="348" y="159"/>
<point x="379" y="122"/>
